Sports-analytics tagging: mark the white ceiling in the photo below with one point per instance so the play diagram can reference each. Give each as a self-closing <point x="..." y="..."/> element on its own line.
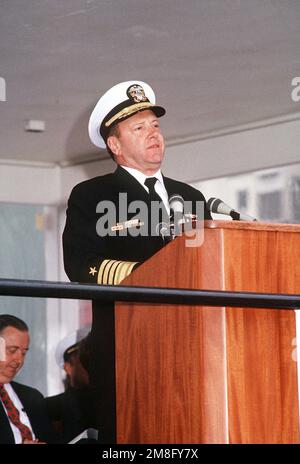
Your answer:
<point x="214" y="64"/>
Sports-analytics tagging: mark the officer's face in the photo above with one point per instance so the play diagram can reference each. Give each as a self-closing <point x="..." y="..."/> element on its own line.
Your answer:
<point x="140" y="143"/>
<point x="16" y="347"/>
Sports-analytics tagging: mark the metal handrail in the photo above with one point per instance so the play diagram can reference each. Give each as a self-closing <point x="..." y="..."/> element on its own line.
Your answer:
<point x="182" y="296"/>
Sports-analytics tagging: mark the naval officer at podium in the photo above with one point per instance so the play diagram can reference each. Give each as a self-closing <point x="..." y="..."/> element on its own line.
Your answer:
<point x="104" y="239"/>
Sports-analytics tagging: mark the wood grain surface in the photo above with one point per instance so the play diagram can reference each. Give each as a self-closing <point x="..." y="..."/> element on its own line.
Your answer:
<point x="262" y="375"/>
<point x="211" y="375"/>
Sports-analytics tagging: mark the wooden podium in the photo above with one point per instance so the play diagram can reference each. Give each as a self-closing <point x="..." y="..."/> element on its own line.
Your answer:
<point x="191" y="374"/>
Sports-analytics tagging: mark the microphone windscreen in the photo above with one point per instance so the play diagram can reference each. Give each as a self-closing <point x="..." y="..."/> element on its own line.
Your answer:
<point x="216" y="205"/>
<point x="176" y="202"/>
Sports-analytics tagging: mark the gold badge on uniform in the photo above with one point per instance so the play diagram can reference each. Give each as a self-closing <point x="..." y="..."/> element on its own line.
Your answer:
<point x="137" y="93"/>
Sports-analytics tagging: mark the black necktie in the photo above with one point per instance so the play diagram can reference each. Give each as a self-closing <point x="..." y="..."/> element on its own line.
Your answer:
<point x="150" y="183"/>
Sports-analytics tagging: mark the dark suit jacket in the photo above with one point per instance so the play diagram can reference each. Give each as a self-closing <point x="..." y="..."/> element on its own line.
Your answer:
<point x="85" y="249"/>
<point x="34" y="405"/>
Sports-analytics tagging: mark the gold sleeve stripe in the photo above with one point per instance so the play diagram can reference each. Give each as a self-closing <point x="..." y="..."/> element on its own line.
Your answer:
<point x="123" y="271"/>
<point x="112" y="272"/>
<point x="104" y="264"/>
<point x="107" y="271"/>
<point x="104" y="271"/>
<point x="114" y="277"/>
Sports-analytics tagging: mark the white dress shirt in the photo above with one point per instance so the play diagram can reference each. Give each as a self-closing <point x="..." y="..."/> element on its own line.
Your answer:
<point x="159" y="186"/>
<point x="23" y="416"/>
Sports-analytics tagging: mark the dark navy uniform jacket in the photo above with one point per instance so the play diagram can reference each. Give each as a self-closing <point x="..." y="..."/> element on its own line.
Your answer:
<point x="85" y="250"/>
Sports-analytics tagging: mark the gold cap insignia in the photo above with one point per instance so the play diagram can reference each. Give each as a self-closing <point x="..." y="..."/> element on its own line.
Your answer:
<point x="137" y="93"/>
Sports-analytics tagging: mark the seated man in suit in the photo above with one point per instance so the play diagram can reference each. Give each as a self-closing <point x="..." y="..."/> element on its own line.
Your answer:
<point x="23" y="416"/>
<point x="105" y="237"/>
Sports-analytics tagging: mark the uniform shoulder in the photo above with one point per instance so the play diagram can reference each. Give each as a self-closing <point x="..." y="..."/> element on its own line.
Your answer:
<point x="92" y="187"/>
<point x="182" y="188"/>
<point x="94" y="183"/>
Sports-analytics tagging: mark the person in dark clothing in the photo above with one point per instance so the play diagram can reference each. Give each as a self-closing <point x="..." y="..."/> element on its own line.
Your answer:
<point x="112" y="226"/>
<point x="73" y="411"/>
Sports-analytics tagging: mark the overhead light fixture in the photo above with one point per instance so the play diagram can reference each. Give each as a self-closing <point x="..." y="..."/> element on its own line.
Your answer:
<point x="34" y="125"/>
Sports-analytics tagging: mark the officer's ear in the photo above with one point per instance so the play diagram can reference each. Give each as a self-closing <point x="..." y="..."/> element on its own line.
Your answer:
<point x="114" y="145"/>
<point x="68" y="368"/>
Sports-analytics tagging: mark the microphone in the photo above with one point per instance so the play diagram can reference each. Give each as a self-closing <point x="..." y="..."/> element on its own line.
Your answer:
<point x="215" y="205"/>
<point x="176" y="203"/>
<point x="176" y="213"/>
<point x="163" y="230"/>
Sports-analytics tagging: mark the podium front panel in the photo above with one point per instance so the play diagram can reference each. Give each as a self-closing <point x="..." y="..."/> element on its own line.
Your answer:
<point x="193" y="374"/>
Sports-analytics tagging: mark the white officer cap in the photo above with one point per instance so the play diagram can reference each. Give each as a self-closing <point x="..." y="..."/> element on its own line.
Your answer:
<point x="118" y="103"/>
<point x="70" y="344"/>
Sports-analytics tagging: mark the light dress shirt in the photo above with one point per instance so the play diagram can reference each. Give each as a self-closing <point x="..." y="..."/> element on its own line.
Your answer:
<point x="159" y="186"/>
